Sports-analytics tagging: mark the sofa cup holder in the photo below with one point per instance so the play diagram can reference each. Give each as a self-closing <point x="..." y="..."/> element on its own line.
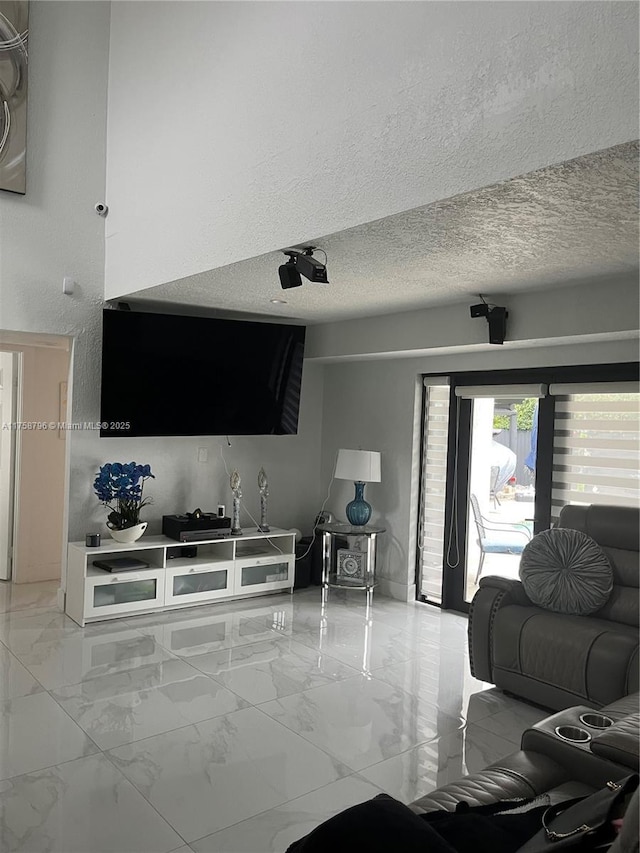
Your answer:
<point x="574" y="734"/>
<point x="596" y="721"/>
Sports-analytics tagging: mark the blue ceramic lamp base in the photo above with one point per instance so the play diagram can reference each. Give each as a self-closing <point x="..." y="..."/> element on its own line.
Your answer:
<point x="358" y="510"/>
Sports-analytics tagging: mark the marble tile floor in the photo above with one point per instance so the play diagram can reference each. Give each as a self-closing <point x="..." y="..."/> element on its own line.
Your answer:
<point x="22" y="596"/>
<point x="231" y="728"/>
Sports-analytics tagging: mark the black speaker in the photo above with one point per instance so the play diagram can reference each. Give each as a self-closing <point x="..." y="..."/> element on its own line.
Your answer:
<point x="289" y="276"/>
<point x="497" y="325"/>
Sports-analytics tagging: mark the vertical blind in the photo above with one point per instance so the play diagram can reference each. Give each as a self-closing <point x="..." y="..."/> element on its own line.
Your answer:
<point x="596" y="445"/>
<point x="433" y="491"/>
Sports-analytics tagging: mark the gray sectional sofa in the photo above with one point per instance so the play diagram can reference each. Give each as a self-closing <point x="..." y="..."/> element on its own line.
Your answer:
<point x="583" y="667"/>
<point x="546" y="764"/>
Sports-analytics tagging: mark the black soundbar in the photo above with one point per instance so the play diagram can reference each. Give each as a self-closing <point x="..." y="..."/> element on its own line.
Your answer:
<point x="196" y="526"/>
<point x="202" y="535"/>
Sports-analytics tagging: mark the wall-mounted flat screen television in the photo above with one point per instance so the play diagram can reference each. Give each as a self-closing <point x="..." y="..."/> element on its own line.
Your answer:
<point x="168" y="374"/>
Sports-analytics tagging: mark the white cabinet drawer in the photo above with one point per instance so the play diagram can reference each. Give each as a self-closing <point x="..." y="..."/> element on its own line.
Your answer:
<point x="269" y="560"/>
<point x="201" y="582"/>
<point x="127" y="592"/>
<point x="263" y="574"/>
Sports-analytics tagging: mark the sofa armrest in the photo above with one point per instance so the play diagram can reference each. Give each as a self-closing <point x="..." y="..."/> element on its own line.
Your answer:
<point x="622" y="707"/>
<point x="620" y="742"/>
<point x="494" y="593"/>
<point x="517" y="595"/>
<point x="520" y="774"/>
<point x="579" y="762"/>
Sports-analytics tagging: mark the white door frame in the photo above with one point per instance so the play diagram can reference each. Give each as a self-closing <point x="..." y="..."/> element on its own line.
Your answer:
<point x="66" y="416"/>
<point x="12" y="437"/>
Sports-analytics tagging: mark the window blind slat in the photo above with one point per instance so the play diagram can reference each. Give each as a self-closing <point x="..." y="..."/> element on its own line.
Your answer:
<point x="564" y="388"/>
<point x="560" y="498"/>
<point x="572" y="442"/>
<point x="575" y="461"/>
<point x="599" y="480"/>
<point x="598" y="406"/>
<point x="595" y="425"/>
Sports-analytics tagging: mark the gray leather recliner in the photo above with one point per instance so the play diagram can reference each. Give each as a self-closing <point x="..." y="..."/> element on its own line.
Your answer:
<point x="546" y="764"/>
<point x="558" y="660"/>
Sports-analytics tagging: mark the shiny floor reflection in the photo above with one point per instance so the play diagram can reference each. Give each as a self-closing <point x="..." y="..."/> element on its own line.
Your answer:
<point x="231" y="728"/>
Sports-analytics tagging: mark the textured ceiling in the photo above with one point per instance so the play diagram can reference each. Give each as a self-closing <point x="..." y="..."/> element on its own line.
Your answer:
<point x="554" y="226"/>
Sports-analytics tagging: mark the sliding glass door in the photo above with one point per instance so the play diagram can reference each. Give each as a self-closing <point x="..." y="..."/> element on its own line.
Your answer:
<point x="500" y="460"/>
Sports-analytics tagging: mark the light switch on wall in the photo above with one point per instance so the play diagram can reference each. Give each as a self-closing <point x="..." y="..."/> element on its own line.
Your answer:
<point x="203" y="454"/>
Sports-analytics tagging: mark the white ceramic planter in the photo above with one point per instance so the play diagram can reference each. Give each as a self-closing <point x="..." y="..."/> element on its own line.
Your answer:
<point x="131" y="534"/>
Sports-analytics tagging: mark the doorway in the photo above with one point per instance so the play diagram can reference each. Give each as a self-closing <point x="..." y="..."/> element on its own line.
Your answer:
<point x="33" y="461"/>
<point x="501" y="487"/>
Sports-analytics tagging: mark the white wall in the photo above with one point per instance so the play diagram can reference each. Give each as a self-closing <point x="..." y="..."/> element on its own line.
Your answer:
<point x="53" y="231"/>
<point x="375" y="405"/>
<point x="181" y="484"/>
<point x="238" y="128"/>
<point x="606" y="308"/>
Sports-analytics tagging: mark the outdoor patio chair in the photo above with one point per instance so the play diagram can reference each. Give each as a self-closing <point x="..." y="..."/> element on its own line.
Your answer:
<point x="498" y="537"/>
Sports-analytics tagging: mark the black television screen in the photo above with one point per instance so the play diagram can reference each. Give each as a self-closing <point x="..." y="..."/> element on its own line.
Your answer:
<point x="166" y="374"/>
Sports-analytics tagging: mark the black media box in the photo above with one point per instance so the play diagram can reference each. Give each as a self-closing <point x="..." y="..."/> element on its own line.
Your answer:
<point x="184" y="528"/>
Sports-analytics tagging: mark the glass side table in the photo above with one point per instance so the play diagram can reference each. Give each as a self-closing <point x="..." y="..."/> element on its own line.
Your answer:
<point x="349" y="558"/>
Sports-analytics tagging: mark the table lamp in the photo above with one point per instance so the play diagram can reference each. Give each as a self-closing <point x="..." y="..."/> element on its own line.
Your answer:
<point x="361" y="466"/>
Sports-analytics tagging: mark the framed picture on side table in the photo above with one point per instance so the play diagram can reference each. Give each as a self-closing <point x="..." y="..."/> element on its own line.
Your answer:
<point x="350" y="566"/>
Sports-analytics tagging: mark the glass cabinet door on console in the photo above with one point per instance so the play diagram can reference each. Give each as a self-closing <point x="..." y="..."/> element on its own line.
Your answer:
<point x="264" y="565"/>
<point x="198" y="583"/>
<point x="263" y="574"/>
<point x="127" y="592"/>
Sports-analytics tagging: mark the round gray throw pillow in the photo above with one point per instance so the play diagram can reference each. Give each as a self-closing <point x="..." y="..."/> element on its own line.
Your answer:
<point x="566" y="571"/>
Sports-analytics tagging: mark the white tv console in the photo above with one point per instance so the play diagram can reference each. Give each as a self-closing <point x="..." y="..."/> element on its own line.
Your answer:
<point x="234" y="567"/>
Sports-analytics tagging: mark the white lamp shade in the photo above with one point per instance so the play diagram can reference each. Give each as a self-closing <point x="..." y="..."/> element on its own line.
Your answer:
<point x="362" y="465"/>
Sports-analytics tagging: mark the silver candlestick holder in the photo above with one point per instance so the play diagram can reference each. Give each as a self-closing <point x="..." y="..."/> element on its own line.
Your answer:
<point x="234" y="482"/>
<point x="263" y="488"/>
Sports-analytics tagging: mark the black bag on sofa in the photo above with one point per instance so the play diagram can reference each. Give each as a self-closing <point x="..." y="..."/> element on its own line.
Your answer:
<point x="583" y="824"/>
<point x="384" y="824"/>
